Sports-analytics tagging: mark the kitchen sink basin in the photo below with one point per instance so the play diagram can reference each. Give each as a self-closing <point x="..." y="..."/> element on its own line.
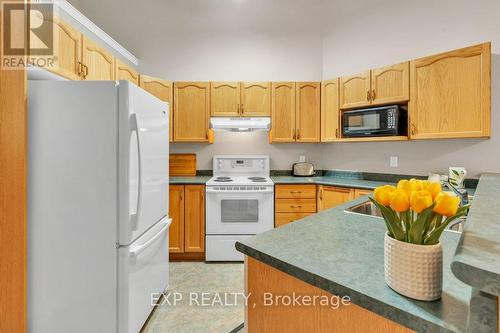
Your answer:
<point x="367" y="208"/>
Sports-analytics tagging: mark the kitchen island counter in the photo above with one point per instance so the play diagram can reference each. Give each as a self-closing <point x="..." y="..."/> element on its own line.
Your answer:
<point x="343" y="254"/>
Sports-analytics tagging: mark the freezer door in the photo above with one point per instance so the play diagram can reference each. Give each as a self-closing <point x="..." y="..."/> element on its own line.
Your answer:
<point x="142" y="276"/>
<point x="144" y="156"/>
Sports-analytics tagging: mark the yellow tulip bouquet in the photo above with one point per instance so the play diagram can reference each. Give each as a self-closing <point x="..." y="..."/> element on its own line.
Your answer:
<point x="417" y="211"/>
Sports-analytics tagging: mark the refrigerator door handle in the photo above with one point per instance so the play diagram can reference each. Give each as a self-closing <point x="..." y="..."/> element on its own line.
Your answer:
<point x="134" y="218"/>
<point x="136" y="250"/>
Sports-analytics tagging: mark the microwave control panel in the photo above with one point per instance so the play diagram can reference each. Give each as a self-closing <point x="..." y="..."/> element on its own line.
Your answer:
<point x="391" y="119"/>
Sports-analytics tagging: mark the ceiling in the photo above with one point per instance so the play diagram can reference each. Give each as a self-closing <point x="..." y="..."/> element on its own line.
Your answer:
<point x="128" y="21"/>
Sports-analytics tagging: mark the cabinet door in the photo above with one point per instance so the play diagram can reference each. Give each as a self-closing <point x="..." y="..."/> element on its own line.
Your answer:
<point x="194" y="232"/>
<point x="391" y="84"/>
<point x="361" y="192"/>
<point x="176" y="207"/>
<point x="308" y="111"/>
<point x="283" y="112"/>
<point x="100" y="63"/>
<point x="67" y="44"/>
<point x="330" y="114"/>
<point x="191" y="111"/>
<point x="355" y="90"/>
<point x="285" y="218"/>
<point x="225" y="99"/>
<point x="330" y="196"/>
<point x="125" y="72"/>
<point x="450" y="94"/>
<point x="164" y="91"/>
<point x="255" y="99"/>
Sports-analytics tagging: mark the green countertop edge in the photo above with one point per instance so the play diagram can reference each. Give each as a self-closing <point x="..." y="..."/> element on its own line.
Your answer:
<point x="477" y="257"/>
<point x="189" y="180"/>
<point x="450" y="314"/>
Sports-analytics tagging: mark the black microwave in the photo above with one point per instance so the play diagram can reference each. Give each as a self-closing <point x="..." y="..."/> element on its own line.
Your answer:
<point x="380" y="121"/>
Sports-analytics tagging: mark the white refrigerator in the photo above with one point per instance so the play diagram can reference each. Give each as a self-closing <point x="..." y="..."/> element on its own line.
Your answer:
<point x="97" y="205"/>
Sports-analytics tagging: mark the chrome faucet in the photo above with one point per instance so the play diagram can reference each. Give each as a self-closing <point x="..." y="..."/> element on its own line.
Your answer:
<point x="464" y="196"/>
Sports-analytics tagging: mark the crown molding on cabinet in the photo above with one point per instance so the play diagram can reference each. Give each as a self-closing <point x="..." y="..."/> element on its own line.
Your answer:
<point x="101" y="34"/>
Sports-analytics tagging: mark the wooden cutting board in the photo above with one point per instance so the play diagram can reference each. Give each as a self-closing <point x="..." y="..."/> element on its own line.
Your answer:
<point x="182" y="165"/>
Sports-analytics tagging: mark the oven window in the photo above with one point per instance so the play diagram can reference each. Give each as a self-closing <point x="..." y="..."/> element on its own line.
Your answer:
<point x="368" y="121"/>
<point x="239" y="211"/>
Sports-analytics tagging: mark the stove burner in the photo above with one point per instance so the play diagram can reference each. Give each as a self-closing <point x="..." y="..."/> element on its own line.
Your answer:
<point x="223" y="179"/>
<point x="258" y="179"/>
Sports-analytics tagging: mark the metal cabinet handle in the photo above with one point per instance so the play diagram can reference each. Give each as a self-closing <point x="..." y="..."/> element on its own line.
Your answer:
<point x="337" y="133"/>
<point x="296" y="206"/>
<point x="294" y="135"/>
<point x="242" y="109"/>
<point x="80" y="69"/>
<point x="368" y="96"/>
<point x="321" y="194"/>
<point x="373" y="95"/>
<point x="86" y="71"/>
<point x="298" y="134"/>
<point x="413" y="129"/>
<point x="295" y="191"/>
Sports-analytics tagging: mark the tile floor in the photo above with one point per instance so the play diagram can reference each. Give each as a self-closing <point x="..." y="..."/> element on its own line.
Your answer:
<point x="200" y="285"/>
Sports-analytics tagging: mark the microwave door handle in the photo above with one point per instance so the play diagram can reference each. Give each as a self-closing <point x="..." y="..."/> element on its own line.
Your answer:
<point x="134" y="218"/>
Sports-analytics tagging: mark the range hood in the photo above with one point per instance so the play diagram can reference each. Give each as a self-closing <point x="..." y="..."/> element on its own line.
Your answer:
<point x="240" y="124"/>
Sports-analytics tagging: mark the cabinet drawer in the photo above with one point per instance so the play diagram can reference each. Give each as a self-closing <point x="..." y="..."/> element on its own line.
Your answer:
<point x="295" y="191"/>
<point x="285" y="218"/>
<point x="295" y="205"/>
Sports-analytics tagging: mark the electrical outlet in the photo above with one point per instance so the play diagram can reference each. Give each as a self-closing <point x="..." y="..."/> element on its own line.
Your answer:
<point x="393" y="161"/>
<point x="302" y="158"/>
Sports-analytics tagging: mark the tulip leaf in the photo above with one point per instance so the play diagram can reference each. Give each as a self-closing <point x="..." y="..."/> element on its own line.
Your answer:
<point x="391" y="221"/>
<point x="420" y="226"/>
<point x="433" y="237"/>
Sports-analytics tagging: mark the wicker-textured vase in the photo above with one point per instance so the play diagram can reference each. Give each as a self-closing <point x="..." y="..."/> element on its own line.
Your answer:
<point x="414" y="271"/>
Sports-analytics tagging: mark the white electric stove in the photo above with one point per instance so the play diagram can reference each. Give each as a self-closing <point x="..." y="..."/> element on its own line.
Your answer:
<point x="239" y="204"/>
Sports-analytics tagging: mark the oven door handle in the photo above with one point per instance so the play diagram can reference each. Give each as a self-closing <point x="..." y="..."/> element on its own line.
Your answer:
<point x="210" y="190"/>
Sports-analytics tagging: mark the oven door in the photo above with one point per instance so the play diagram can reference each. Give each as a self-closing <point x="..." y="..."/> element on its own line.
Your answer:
<point x="239" y="212"/>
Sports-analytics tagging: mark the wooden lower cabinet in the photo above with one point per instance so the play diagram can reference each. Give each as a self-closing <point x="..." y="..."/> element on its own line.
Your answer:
<point x="187" y="231"/>
<point x="332" y="196"/>
<point x="360" y="192"/>
<point x="263" y="280"/>
<point x="293" y="202"/>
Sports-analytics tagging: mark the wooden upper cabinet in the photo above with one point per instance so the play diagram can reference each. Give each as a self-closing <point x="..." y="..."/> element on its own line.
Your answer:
<point x="255" y="99"/>
<point x="194" y="239"/>
<point x="330" y="111"/>
<point x="100" y="63"/>
<point x="330" y="196"/>
<point x="390" y="84"/>
<point x="355" y="90"/>
<point x="225" y="99"/>
<point x="163" y="90"/>
<point x="176" y="213"/>
<point x="67" y="44"/>
<point x="450" y="94"/>
<point x="308" y="106"/>
<point x="283" y="112"/>
<point x="125" y="72"/>
<point x="191" y="111"/>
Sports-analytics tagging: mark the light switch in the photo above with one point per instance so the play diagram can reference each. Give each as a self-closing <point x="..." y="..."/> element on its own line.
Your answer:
<point x="393" y="161"/>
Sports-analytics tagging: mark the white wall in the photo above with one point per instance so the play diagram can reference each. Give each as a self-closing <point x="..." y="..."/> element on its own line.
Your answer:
<point x="308" y="40"/>
<point x="395" y="31"/>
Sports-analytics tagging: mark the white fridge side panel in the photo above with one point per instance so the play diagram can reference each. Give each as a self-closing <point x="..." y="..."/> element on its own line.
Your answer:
<point x="72" y="207"/>
<point x="144" y="155"/>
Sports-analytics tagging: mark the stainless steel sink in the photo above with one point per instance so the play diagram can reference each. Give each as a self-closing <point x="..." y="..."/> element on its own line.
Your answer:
<point x="367" y="208"/>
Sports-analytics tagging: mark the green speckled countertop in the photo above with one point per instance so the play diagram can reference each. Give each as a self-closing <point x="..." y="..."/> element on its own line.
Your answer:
<point x="329" y="180"/>
<point x="477" y="259"/>
<point x="343" y="254"/>
<point x="189" y="180"/>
